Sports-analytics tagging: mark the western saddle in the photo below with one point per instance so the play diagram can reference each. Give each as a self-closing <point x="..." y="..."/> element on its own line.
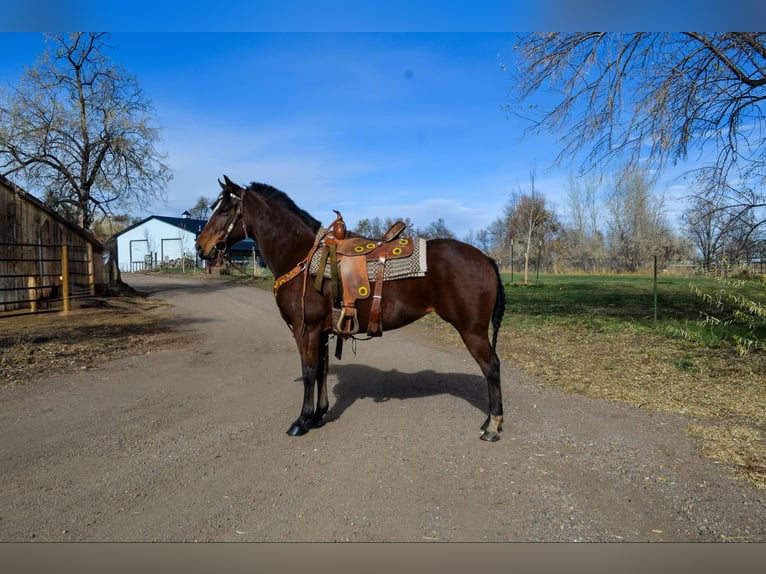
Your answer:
<point x="348" y="257"/>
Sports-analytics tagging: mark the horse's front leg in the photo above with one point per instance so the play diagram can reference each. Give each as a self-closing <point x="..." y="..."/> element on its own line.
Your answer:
<point x="314" y="370"/>
<point x="323" y="404"/>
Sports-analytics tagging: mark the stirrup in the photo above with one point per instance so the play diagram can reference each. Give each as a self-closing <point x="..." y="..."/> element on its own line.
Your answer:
<point x="347" y="315"/>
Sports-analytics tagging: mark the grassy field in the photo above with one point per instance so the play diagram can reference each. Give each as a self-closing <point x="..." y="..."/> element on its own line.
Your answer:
<point x="596" y="335"/>
<point x="700" y="309"/>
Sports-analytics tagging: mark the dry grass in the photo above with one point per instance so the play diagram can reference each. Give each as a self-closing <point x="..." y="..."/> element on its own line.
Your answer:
<point x="725" y="392"/>
<point x="35" y="346"/>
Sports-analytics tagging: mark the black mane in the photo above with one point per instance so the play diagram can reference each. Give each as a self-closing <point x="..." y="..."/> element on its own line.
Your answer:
<point x="281" y="198"/>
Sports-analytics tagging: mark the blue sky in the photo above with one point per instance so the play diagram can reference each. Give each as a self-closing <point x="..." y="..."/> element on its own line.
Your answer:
<point x="391" y="124"/>
<point x="382" y="125"/>
<point x="389" y="16"/>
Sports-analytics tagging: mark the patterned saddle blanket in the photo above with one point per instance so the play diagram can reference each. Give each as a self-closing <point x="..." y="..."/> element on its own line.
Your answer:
<point x="412" y="265"/>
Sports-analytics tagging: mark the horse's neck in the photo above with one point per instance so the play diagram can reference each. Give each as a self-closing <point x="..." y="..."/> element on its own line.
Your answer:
<point x="283" y="238"/>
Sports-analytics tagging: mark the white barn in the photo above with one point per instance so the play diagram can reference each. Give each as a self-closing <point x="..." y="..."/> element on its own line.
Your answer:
<point x="157" y="240"/>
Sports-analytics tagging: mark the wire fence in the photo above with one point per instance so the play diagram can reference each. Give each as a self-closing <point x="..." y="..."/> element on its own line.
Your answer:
<point x="606" y="265"/>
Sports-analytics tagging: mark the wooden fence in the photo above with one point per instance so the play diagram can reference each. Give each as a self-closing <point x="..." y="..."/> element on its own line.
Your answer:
<point x="43" y="276"/>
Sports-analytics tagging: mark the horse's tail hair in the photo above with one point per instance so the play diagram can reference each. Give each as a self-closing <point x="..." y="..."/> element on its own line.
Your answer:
<point x="499" y="309"/>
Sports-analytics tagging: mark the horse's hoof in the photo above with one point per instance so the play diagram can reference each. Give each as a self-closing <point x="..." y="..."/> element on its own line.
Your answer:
<point x="490" y="436"/>
<point x="297" y="430"/>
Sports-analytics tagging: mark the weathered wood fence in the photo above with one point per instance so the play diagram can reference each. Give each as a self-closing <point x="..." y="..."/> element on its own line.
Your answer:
<point x="43" y="276"/>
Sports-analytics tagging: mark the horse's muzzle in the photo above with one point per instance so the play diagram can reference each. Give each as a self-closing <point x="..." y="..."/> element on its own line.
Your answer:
<point x="211" y="254"/>
<point x="215" y="251"/>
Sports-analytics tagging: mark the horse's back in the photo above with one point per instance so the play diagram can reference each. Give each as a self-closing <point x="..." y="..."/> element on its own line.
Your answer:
<point x="461" y="285"/>
<point x="461" y="278"/>
<point x="452" y="260"/>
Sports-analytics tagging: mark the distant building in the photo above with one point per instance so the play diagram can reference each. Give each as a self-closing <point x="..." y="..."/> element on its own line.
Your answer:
<point x="159" y="240"/>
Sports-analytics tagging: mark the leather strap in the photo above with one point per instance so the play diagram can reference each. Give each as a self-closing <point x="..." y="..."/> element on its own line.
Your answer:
<point x="320" y="271"/>
<point x="301" y="265"/>
<point x="334" y="276"/>
<point x="373" y="325"/>
<point x="290" y="275"/>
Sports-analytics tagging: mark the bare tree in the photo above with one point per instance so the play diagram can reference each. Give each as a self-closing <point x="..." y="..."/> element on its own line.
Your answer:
<point x="375" y="228"/>
<point x="494" y="241"/>
<point x="581" y="243"/>
<point x="706" y="226"/>
<point x="658" y="96"/>
<point x="718" y="233"/>
<point x="581" y="196"/>
<point x="105" y="226"/>
<point x="201" y="209"/>
<point x="370" y="227"/>
<point x="529" y="221"/>
<point x="80" y="130"/>
<point x="637" y="226"/>
<point x="436" y="229"/>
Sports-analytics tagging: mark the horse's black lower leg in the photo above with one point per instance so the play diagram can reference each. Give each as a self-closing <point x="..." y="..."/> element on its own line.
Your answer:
<point x="314" y="364"/>
<point x="323" y="403"/>
<point x="493" y="426"/>
<point x="302" y="424"/>
<point x="486" y="357"/>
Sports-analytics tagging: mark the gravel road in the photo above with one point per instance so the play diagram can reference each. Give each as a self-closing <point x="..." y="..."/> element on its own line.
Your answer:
<point x="189" y="444"/>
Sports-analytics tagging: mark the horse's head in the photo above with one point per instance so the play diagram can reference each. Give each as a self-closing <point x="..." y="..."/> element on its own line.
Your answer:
<point x="225" y="224"/>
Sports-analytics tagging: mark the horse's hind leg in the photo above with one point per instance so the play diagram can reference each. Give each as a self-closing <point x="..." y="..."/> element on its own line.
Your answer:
<point x="481" y="350"/>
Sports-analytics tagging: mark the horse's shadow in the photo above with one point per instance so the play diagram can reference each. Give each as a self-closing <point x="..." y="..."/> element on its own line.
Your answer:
<point x="356" y="382"/>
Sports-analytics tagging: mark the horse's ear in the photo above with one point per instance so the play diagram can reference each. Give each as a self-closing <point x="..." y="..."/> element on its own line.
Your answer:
<point x="221" y="184"/>
<point x="229" y="183"/>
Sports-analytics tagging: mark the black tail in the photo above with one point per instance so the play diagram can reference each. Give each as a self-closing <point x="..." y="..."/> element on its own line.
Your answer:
<point x="499" y="310"/>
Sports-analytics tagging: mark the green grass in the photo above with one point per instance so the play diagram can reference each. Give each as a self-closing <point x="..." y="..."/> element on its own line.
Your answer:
<point x="616" y="302"/>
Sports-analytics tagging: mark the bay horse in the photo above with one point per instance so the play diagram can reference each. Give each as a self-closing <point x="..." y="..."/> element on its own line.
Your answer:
<point x="462" y="286"/>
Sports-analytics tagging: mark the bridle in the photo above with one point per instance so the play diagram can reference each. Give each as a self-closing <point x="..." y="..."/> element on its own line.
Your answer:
<point x="221" y="246"/>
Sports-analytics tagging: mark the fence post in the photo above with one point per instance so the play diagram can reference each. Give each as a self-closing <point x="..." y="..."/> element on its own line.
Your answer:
<point x="65" y="276"/>
<point x="91" y="271"/>
<point x="33" y="293"/>
<point x="539" y="249"/>
<point x="655" y="291"/>
<point x="511" y="260"/>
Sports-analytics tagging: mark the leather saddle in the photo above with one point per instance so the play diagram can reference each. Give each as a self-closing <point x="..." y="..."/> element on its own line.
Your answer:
<point x="351" y="282"/>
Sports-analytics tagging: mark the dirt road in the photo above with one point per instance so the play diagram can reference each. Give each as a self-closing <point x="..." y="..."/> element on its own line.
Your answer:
<point x="189" y="444"/>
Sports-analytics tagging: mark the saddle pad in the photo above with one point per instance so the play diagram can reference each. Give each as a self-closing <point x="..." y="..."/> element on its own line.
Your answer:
<point x="403" y="268"/>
